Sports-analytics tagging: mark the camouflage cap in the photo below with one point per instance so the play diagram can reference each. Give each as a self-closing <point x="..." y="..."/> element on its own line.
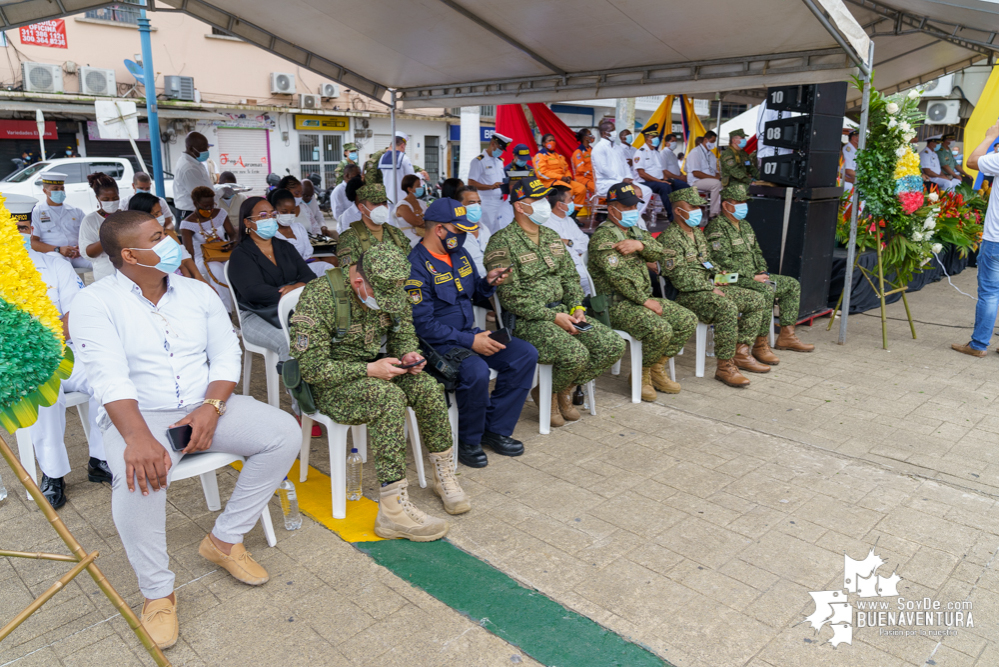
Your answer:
<point x="386" y="270"/>
<point x="372" y="192"/>
<point x="689" y="195"/>
<point x="737" y="132"/>
<point x="735" y="192"/>
<point x="350" y="147"/>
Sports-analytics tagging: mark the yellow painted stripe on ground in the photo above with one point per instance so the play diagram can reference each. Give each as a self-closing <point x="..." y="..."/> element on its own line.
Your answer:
<point x="315" y="501"/>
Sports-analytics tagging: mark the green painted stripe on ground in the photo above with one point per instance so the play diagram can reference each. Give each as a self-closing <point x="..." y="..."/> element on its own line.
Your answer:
<point x="526" y="618"/>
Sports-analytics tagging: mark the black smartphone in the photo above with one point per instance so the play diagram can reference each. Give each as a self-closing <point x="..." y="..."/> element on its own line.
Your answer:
<point x="582" y="326"/>
<point x="415" y="363"/>
<point x="501" y="336"/>
<point x="501" y="274"/>
<point x="179" y="437"/>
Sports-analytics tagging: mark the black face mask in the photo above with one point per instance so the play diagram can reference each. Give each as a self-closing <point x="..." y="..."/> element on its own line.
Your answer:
<point x="453" y="242"/>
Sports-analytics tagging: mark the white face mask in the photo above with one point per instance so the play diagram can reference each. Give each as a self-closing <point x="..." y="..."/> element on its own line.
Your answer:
<point x="672" y="145"/>
<point x="109" y="206"/>
<point x="369" y="301"/>
<point x="285" y="219"/>
<point x="379" y="215"/>
<point x="710" y="145"/>
<point x="298" y="201"/>
<point x="542" y="210"/>
<point x="162" y="220"/>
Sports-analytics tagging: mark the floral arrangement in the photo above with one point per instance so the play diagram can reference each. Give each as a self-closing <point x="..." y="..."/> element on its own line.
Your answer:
<point x="33" y="356"/>
<point x="908" y="181"/>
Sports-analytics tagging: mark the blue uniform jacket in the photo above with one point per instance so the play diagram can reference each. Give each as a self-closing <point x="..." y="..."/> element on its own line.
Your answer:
<point x="442" y="297"/>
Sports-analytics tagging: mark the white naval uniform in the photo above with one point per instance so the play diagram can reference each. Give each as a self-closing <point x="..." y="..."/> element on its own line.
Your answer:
<point x="496" y="213"/>
<point x="48" y="433"/>
<point x="567" y="229"/>
<point x="59" y="226"/>
<point x="703" y="160"/>
<point x="403" y="168"/>
<point x="928" y="159"/>
<point x="628" y="152"/>
<point x="609" y="167"/>
<point x="849" y="162"/>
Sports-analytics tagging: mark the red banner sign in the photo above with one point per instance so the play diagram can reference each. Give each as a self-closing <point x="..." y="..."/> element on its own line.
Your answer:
<point x="46" y="33"/>
<point x="26" y="129"/>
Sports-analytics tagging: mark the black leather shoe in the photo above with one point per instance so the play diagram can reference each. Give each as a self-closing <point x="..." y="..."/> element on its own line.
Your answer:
<point x="472" y="455"/>
<point x="54" y="489"/>
<point x="98" y="471"/>
<point x="503" y="445"/>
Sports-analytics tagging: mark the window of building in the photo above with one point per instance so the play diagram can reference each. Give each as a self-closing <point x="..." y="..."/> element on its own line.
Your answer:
<point x="319" y="153"/>
<point x="127" y="12"/>
<point x="455" y="158"/>
<point x="488" y="111"/>
<point x="432" y="161"/>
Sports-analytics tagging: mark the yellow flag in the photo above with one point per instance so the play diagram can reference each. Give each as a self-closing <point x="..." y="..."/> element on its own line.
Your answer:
<point x="983" y="117"/>
<point x="662" y="118"/>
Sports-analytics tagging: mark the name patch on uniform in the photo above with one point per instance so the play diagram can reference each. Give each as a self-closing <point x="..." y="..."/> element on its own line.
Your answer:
<point x="443" y="278"/>
<point x="737" y="241"/>
<point x="606" y="245"/>
<point x="354" y="328"/>
<point x="669" y="253"/>
<point x="751" y="238"/>
<point x="413" y="283"/>
<point x="714" y="235"/>
<point x="528" y="257"/>
<point x="303" y="319"/>
<point x="465" y="269"/>
<point x="557" y="248"/>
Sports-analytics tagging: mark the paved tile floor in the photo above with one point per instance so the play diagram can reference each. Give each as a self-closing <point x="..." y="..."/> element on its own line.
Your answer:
<point x="696" y="526"/>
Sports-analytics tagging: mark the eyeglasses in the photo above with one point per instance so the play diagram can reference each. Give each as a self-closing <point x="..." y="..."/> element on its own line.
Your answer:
<point x="262" y="216"/>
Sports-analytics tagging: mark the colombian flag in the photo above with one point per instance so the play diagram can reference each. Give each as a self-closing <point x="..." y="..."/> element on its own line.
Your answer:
<point x="663" y="117"/>
<point x="983" y="117"/>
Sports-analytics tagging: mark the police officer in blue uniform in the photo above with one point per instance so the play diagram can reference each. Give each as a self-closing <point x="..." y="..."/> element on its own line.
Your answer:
<point x="522" y="166"/>
<point x="443" y="284"/>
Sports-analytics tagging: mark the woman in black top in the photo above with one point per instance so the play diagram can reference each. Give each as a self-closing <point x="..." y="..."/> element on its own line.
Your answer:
<point x="261" y="272"/>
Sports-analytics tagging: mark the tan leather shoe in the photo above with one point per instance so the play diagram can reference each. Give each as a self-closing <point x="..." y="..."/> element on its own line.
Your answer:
<point x="556" y="418"/>
<point x="648" y="391"/>
<point x="565" y="406"/>
<point x="446" y="485"/>
<point x="160" y="620"/>
<point x="399" y="517"/>
<point x="728" y="373"/>
<point x="745" y="361"/>
<point x="660" y="378"/>
<point x="763" y="353"/>
<point x="967" y="349"/>
<point x="787" y="340"/>
<point x="238" y="563"/>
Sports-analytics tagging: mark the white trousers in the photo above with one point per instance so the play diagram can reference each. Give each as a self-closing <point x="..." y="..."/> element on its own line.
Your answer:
<point x="48" y="433"/>
<point x="218" y="271"/>
<point x="713" y="187"/>
<point x="946" y="183"/>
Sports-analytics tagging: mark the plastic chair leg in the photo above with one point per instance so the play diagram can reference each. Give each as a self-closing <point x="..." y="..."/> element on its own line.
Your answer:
<point x="773" y="337"/>
<point x="360" y="437"/>
<point x="616" y="368"/>
<point x="672" y="370"/>
<point x="247" y="367"/>
<point x="452" y="415"/>
<point x="268" y="526"/>
<point x="414" y="438"/>
<point x="545" y="393"/>
<point x="338" y="469"/>
<point x="26" y="453"/>
<point x="273" y="381"/>
<point x="701" y="337"/>
<point x="636" y="370"/>
<point x="84" y="411"/>
<point x="591" y="396"/>
<point x="303" y="455"/>
<point x="210" y="485"/>
<point x="709" y="346"/>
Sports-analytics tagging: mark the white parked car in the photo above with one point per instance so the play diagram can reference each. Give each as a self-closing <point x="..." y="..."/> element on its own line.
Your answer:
<point x="28" y="181"/>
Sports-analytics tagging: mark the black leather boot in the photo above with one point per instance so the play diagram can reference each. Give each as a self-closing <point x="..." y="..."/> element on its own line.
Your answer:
<point x="503" y="445"/>
<point x="54" y="489"/>
<point x="472" y="455"/>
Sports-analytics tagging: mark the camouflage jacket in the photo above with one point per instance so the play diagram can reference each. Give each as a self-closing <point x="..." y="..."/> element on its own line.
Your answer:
<point x="737" y="166"/>
<point x="947" y="159"/>
<point x="357" y="238"/>
<point x="622" y="276"/>
<point x="685" y="258"/>
<point x="338" y="171"/>
<point x="735" y="248"/>
<point x="543" y="273"/>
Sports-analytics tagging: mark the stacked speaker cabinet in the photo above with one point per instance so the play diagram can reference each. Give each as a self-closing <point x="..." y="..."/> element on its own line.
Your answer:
<point x="810" y="125"/>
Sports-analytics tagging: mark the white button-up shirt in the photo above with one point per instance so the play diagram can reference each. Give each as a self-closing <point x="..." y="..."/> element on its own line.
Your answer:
<point x="62" y="281"/>
<point x="487" y="170"/>
<point x="649" y="160"/>
<point x="670" y="163"/>
<point x="164" y="356"/>
<point x="57" y="225"/>
<point x="928" y="160"/>
<point x="703" y="160"/>
<point x="187" y="175"/>
<point x="567" y="229"/>
<point x="609" y="166"/>
<point x="338" y="200"/>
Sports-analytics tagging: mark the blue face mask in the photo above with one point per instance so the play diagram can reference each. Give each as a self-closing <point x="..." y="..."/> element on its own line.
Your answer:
<point x="694" y="217"/>
<point x="473" y="212"/>
<point x="570" y="208"/>
<point x="266" y="228"/>
<point x="629" y="218"/>
<point x="58" y="196"/>
<point x="352" y="156"/>
<point x="655" y="142"/>
<point x="203" y="156"/>
<point x="742" y="142"/>
<point x="627" y="140"/>
<point x="26" y="238"/>
<point x="453" y="242"/>
<point x="740" y="211"/>
<point x="169" y="253"/>
<point x="419" y="192"/>
<point x="520" y="163"/>
<point x="497" y="152"/>
<point x="144" y="191"/>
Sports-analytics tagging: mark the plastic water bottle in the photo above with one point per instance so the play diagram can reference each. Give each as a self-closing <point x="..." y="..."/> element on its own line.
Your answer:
<point x="354" y="472"/>
<point x="289" y="505"/>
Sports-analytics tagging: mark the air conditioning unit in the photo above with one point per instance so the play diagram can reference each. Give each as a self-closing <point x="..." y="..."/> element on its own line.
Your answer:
<point x="943" y="112"/>
<point x="310" y="101"/>
<point x="282" y="83"/>
<point x="329" y="90"/>
<point x="97" y="81"/>
<point x="179" y="87"/>
<point x="41" y="78"/>
<point x="941" y="87"/>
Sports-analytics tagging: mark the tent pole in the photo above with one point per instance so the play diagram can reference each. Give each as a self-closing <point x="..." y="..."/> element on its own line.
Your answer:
<point x="851" y="248"/>
<point x="395" y="183"/>
<point x="718" y="120"/>
<point x="149" y="81"/>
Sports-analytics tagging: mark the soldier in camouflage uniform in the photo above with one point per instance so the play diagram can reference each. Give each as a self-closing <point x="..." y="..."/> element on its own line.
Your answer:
<point x="368" y="231"/>
<point x="619" y="251"/>
<point x="372" y="174"/>
<point x="352" y="386"/>
<point x="688" y="267"/>
<point x="349" y="158"/>
<point x="544" y="294"/>
<point x="735" y="164"/>
<point x="734" y="246"/>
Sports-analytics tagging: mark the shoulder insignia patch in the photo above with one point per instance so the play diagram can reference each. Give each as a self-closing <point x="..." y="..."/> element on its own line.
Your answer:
<point x="443" y="278"/>
<point x="303" y="319"/>
<point x="714" y="235"/>
<point x="354" y="328"/>
<point x="669" y="252"/>
<point x="716" y="245"/>
<point x="612" y="260"/>
<point x="670" y="263"/>
<point x="495" y="254"/>
<point x="413" y="283"/>
<point x="737" y="241"/>
<point x="415" y="296"/>
<point x="302" y="342"/>
<point x="465" y="270"/>
<point x="606" y="245"/>
<point x="431" y="269"/>
<point x="528" y="257"/>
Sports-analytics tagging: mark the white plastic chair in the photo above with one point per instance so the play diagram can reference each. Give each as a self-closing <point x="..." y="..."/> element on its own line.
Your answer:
<point x="635" y="347"/>
<point x="336" y="434"/>
<point x="26" y="448"/>
<point x="480" y="317"/>
<point x="204" y="465"/>
<point x="270" y="356"/>
<point x="543" y="380"/>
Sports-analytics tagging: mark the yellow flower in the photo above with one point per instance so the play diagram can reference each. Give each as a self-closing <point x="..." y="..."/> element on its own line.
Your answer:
<point x="907" y="165"/>
<point x="20" y="283"/>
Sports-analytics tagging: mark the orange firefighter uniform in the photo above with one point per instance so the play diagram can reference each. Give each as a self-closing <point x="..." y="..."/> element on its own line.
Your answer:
<point x="551" y="167"/>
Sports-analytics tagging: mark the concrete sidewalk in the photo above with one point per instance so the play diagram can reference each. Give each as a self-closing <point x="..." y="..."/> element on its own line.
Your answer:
<point x="696" y="526"/>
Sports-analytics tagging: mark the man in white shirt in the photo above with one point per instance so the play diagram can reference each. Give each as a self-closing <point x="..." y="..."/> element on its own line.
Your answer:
<point x="57" y="224"/>
<point x="850" y="160"/>
<point x="610" y="167"/>
<point x="929" y="161"/>
<point x="986" y="161"/>
<point x="650" y="164"/>
<point x="311" y="203"/>
<point x="160" y="352"/>
<point x="475" y="242"/>
<point x="190" y="172"/>
<point x="338" y="198"/>
<point x="404" y="167"/>
<point x="576" y="242"/>
<point x="141" y="182"/>
<point x="487" y="174"/>
<point x="627" y="150"/>
<point x="48" y="432"/>
<point x="702" y="171"/>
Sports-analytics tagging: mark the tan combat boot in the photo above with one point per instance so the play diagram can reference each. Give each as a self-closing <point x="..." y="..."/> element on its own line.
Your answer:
<point x="399" y="517"/>
<point x="445" y="485"/>
<point x="648" y="391"/>
<point x="744" y="360"/>
<point x="565" y="406"/>
<point x="728" y="373"/>
<point x="763" y="353"/>
<point x="788" y="341"/>
<point x="556" y="418"/>
<point x="660" y="378"/>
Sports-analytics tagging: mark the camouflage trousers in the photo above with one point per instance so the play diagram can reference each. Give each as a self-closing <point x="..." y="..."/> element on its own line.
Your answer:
<point x="381" y="404"/>
<point x="661" y="335"/>
<point x="787" y="298"/>
<point x="724" y="313"/>
<point x="575" y="359"/>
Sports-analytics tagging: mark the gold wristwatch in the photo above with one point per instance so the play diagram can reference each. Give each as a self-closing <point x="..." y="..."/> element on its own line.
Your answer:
<point x="217" y="404"/>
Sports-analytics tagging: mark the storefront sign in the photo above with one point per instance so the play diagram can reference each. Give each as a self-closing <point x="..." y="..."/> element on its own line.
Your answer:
<point x="247" y="121"/>
<point x="321" y="123"/>
<point x="46" y="33"/>
<point x="246" y="153"/>
<point x="26" y="129"/>
<point x="485" y="133"/>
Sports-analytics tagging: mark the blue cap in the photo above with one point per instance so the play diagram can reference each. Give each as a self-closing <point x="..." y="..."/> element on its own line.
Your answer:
<point x="521" y="150"/>
<point x="449" y="210"/>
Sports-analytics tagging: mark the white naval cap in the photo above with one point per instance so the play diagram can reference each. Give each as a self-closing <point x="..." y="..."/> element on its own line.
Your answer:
<point x="19" y="206"/>
<point x="53" y="178"/>
<point x="502" y="137"/>
<point x="402" y="135"/>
